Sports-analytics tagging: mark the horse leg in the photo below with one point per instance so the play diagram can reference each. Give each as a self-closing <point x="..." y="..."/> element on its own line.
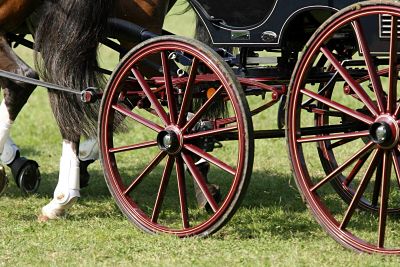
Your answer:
<point x="16" y="94"/>
<point x="67" y="189"/>
<point x="88" y="153"/>
<point x="151" y="17"/>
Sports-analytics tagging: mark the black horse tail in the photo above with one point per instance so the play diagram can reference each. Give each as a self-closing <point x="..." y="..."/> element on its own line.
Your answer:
<point x="67" y="38"/>
<point x="201" y="32"/>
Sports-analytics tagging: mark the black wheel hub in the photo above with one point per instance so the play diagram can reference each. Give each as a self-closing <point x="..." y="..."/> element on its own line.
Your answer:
<point x="169" y="141"/>
<point x="385" y="132"/>
<point x="380" y="133"/>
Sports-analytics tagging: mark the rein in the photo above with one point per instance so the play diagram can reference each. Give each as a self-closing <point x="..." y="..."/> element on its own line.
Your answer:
<point x="88" y="95"/>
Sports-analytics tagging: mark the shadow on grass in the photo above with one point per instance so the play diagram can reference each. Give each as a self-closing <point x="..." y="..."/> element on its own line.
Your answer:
<point x="263" y="208"/>
<point x="272" y="206"/>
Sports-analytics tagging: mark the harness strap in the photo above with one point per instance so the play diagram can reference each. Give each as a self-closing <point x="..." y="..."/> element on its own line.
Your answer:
<point x="88" y="95"/>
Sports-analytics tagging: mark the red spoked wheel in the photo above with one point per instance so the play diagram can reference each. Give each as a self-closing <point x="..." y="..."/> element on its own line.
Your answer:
<point x="183" y="161"/>
<point x="347" y="131"/>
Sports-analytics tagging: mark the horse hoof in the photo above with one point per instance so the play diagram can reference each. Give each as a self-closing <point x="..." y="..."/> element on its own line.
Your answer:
<point x="3" y="179"/>
<point x="43" y="218"/>
<point x="52" y="211"/>
<point x="26" y="174"/>
<point x="202" y="201"/>
<point x="216" y="194"/>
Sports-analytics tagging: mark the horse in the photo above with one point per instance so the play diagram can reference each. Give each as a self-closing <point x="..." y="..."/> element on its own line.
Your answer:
<point x="66" y="33"/>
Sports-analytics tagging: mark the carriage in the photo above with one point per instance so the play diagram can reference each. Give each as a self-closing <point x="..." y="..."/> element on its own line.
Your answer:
<point x="329" y="68"/>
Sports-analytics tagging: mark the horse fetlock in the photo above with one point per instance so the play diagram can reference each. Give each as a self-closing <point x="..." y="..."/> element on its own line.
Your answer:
<point x="89" y="150"/>
<point x="64" y="197"/>
<point x="88" y="153"/>
<point x="84" y="175"/>
<point x="10" y="151"/>
<point x="68" y="180"/>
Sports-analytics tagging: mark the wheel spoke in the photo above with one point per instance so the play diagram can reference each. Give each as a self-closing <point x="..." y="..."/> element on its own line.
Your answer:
<point x="200" y="112"/>
<point x="393" y="72"/>
<point x="360" y="190"/>
<point x="151" y="97"/>
<point x="140" y="119"/>
<point x="372" y="71"/>
<point x="340" y="143"/>
<point x="353" y="113"/>
<point x="162" y="189"/>
<point x="210" y="133"/>
<point x="187" y="97"/>
<point x="396" y="164"/>
<point x="210" y="158"/>
<point x="133" y="147"/>
<point x="180" y="174"/>
<point x="338" y="170"/>
<point x="352" y="83"/>
<point x="343" y="136"/>
<point x="169" y="88"/>
<point x="356" y="169"/>
<point x="377" y="184"/>
<point x="384" y="198"/>
<point x="397" y="112"/>
<point x="145" y="172"/>
<point x="199" y="179"/>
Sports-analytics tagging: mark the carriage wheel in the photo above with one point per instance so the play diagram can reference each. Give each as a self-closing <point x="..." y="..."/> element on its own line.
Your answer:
<point x="187" y="134"/>
<point x="355" y="126"/>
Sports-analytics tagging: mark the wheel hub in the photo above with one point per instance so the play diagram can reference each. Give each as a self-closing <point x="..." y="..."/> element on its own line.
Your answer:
<point x="170" y="140"/>
<point x="385" y="132"/>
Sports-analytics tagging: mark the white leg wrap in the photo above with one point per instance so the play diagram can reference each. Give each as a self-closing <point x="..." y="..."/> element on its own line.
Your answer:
<point x="9" y="151"/>
<point x="5" y="125"/>
<point x="89" y="150"/>
<point x="67" y="190"/>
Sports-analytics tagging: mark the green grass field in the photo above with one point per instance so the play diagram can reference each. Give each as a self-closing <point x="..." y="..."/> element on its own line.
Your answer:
<point x="272" y="227"/>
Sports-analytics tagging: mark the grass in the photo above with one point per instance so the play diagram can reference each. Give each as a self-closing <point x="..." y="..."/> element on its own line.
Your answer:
<point x="272" y="227"/>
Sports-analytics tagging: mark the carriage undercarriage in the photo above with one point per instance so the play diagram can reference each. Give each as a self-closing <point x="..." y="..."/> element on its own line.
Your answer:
<point x="186" y="105"/>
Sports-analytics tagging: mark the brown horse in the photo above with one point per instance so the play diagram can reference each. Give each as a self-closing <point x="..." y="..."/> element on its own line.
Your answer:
<point x="66" y="33"/>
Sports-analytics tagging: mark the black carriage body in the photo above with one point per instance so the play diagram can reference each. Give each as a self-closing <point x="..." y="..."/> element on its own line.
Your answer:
<point x="274" y="23"/>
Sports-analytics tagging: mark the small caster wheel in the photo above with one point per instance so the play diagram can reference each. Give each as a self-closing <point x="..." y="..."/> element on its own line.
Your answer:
<point x="3" y="180"/>
<point x="26" y="174"/>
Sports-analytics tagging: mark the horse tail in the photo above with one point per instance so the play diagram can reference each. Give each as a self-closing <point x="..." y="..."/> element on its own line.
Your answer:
<point x="67" y="38"/>
<point x="201" y="32"/>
